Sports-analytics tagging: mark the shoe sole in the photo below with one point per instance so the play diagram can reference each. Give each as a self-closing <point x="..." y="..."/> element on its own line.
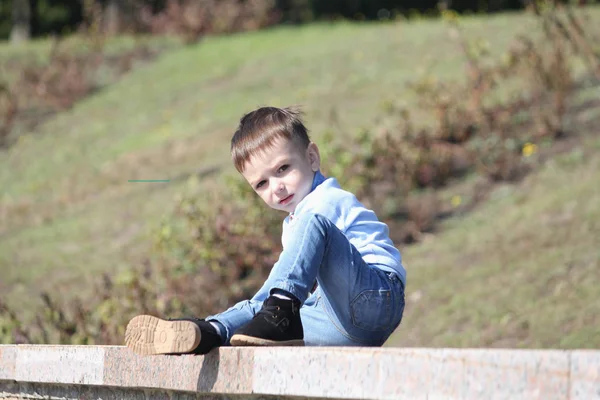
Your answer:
<point x="148" y="335"/>
<point x="243" y="340"/>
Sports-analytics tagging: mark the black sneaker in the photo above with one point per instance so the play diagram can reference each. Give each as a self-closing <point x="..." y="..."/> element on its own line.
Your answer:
<point x="147" y="335"/>
<point x="276" y="324"/>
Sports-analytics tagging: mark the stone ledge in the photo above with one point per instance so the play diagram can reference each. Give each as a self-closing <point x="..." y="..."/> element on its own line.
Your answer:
<point x="309" y="372"/>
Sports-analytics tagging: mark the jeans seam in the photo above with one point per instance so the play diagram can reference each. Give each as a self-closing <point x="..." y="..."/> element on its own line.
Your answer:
<point x="395" y="280"/>
<point x="346" y="334"/>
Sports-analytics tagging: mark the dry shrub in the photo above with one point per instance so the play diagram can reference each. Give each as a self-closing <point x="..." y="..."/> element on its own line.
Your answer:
<point x="192" y="19"/>
<point x="188" y="19"/>
<point x="224" y="254"/>
<point x="8" y="111"/>
<point x="96" y="317"/>
<point x="473" y="130"/>
<point x="64" y="80"/>
<point x="69" y="75"/>
<point x="232" y="244"/>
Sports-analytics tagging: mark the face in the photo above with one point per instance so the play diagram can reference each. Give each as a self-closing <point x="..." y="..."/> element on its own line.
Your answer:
<point x="283" y="174"/>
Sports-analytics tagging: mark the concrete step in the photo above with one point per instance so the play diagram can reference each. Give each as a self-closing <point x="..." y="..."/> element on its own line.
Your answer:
<point x="27" y="371"/>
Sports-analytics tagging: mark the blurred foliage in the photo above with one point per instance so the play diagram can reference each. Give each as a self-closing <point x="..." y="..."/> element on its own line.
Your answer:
<point x="64" y="16"/>
<point x="193" y="19"/>
<point x="221" y="242"/>
<point x="308" y="10"/>
<point x="48" y="17"/>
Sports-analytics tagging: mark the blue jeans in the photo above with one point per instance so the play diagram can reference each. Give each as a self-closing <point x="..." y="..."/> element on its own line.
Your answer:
<point x="355" y="304"/>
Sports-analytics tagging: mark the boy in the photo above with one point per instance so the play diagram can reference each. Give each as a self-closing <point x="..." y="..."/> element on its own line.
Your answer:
<point x="330" y="240"/>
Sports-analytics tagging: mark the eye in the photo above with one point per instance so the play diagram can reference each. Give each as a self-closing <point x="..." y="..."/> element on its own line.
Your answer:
<point x="260" y="184"/>
<point x="283" y="168"/>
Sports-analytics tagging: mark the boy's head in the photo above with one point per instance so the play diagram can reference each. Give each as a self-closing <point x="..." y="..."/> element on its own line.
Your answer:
<point x="272" y="150"/>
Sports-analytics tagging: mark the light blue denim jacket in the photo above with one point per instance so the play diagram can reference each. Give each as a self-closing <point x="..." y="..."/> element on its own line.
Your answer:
<point x="359" y="224"/>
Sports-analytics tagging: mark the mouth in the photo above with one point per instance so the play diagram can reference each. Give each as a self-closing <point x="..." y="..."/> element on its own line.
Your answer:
<point x="286" y="200"/>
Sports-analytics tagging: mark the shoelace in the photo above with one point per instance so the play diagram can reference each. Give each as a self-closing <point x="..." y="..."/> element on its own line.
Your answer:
<point x="269" y="310"/>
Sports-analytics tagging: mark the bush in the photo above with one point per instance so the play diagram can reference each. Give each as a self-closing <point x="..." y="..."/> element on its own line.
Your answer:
<point x="70" y="74"/>
<point x="192" y="19"/>
<point x="220" y="244"/>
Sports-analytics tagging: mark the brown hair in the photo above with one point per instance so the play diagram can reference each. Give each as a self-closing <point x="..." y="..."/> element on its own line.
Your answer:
<point x="260" y="128"/>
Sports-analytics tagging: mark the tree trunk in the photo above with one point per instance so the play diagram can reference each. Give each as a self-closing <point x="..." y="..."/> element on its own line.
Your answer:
<point x="112" y="15"/>
<point x="21" y="19"/>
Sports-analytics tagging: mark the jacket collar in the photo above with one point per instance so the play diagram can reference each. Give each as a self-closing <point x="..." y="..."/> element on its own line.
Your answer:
<point x="317" y="180"/>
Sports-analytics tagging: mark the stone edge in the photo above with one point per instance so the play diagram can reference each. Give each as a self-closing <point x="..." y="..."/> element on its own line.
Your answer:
<point x="318" y="372"/>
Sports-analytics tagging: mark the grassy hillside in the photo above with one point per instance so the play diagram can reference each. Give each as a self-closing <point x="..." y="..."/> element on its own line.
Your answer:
<point x="68" y="212"/>
<point x="521" y="271"/>
<point x="68" y="208"/>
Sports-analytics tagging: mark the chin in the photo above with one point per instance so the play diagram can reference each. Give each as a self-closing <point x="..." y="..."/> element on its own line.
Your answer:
<point x="278" y="207"/>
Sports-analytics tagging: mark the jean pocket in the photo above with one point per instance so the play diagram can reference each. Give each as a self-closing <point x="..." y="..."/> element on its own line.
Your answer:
<point x="371" y="310"/>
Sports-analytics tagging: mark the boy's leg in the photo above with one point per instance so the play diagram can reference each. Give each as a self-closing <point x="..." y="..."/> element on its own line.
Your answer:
<point x="238" y="315"/>
<point x="243" y="312"/>
<point x="319" y="329"/>
<point x="363" y="302"/>
<point x="147" y="335"/>
<point x="357" y="304"/>
<point x="326" y="326"/>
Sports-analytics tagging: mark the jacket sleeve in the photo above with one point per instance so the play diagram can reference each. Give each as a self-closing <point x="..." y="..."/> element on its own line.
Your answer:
<point x="330" y="208"/>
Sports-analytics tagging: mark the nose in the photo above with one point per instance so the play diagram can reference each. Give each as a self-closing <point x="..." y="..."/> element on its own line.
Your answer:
<point x="278" y="186"/>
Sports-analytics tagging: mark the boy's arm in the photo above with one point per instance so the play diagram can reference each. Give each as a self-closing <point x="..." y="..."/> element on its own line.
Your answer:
<point x="330" y="208"/>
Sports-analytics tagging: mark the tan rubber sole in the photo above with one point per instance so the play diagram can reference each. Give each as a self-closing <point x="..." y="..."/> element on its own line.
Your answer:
<point x="243" y="340"/>
<point x="147" y="335"/>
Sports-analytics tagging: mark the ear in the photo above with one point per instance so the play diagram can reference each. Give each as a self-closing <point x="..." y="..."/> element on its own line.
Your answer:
<point x="312" y="153"/>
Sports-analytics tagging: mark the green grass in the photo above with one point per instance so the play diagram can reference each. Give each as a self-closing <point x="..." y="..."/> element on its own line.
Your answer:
<point x="67" y="210"/>
<point x="521" y="271"/>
